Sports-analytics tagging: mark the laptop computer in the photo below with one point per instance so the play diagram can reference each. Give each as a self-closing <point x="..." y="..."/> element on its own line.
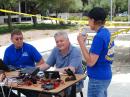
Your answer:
<point x="30" y="71"/>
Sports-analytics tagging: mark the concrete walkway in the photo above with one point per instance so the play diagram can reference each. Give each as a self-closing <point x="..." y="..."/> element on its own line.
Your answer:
<point x="120" y="85"/>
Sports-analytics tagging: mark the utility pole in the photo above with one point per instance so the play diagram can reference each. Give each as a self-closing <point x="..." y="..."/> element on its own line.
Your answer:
<point x="19" y="10"/>
<point x="111" y="10"/>
<point x="128" y="10"/>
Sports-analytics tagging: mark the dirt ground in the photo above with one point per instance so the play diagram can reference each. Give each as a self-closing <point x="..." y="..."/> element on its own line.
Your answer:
<point x="29" y="35"/>
<point x="122" y="54"/>
<point x="121" y="62"/>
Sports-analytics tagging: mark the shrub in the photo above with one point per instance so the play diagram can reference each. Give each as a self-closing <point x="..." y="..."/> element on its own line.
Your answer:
<point x="121" y="18"/>
<point x="74" y="18"/>
<point x="84" y="18"/>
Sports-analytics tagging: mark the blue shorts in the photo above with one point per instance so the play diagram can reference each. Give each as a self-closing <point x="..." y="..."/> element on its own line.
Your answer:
<point x="98" y="88"/>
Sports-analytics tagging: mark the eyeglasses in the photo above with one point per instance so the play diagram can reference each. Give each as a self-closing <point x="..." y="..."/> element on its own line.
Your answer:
<point x="20" y="38"/>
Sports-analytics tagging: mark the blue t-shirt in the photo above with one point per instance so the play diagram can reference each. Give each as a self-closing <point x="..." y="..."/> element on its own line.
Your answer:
<point x="72" y="58"/>
<point x="23" y="57"/>
<point x="102" y="46"/>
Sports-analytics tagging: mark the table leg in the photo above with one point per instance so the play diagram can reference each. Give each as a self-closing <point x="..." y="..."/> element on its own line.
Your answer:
<point x="19" y="94"/>
<point x="73" y="91"/>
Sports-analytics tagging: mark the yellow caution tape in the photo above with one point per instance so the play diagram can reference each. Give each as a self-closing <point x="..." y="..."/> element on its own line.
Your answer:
<point x="82" y="22"/>
<point x="119" y="32"/>
<point x="19" y="13"/>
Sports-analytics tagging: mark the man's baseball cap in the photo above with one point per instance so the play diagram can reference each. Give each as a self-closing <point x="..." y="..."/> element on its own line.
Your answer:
<point x="97" y="13"/>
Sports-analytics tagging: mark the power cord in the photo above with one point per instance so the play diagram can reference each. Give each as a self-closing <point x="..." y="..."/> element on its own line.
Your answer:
<point x="1" y="85"/>
<point x="2" y="90"/>
<point x="10" y="87"/>
<point x="10" y="91"/>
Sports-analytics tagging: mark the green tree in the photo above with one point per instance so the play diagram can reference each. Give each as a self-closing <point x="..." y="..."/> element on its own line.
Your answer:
<point x="59" y="6"/>
<point x="97" y="3"/>
<point x="8" y="5"/>
<point x="85" y="2"/>
<point x="121" y="6"/>
<point x="33" y="8"/>
<point x="105" y="4"/>
<point x="75" y="6"/>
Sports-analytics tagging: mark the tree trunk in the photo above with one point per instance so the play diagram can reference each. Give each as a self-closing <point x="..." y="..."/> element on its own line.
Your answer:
<point x="34" y="18"/>
<point x="51" y="21"/>
<point x="9" y="21"/>
<point x="56" y="16"/>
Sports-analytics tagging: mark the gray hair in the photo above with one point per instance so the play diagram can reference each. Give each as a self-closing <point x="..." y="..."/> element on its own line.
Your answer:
<point x="61" y="33"/>
<point x="16" y="32"/>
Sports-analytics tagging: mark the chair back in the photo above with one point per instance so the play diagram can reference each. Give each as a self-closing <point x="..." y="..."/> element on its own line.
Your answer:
<point x="84" y="66"/>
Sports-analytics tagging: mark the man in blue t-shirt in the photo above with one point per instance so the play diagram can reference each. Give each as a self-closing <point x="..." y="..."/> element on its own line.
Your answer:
<point x="21" y="55"/>
<point x="65" y="56"/>
<point x="100" y="56"/>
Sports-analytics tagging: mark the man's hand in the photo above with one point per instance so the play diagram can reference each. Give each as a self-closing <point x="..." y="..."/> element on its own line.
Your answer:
<point x="81" y="39"/>
<point x="42" y="65"/>
<point x="62" y="70"/>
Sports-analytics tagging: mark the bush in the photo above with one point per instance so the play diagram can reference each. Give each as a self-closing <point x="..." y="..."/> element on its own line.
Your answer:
<point x="74" y="18"/>
<point x="77" y="18"/>
<point x="84" y="18"/>
<point x="107" y="18"/>
<point x="61" y="22"/>
<point x="121" y="18"/>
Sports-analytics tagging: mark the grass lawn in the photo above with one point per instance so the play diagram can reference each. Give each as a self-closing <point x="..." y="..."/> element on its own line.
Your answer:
<point x="26" y="26"/>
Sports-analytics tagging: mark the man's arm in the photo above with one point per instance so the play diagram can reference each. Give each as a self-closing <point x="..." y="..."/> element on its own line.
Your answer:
<point x="90" y="58"/>
<point x="95" y="50"/>
<point x="74" y="62"/>
<point x="42" y="65"/>
<point x="5" y="59"/>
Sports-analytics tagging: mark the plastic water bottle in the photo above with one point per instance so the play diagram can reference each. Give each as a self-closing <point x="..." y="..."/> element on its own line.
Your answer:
<point x="84" y="31"/>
